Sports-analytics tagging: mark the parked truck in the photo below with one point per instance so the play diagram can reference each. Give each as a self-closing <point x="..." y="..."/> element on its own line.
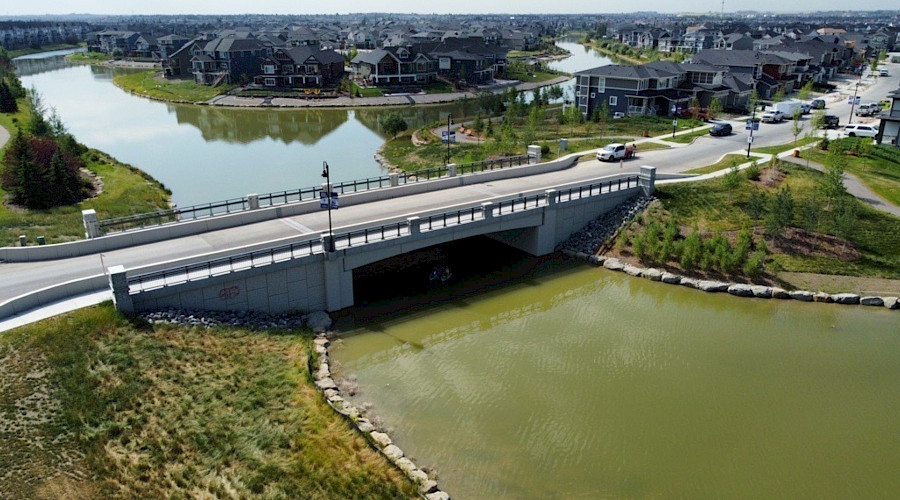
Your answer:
<point x="788" y="108"/>
<point x="616" y="151"/>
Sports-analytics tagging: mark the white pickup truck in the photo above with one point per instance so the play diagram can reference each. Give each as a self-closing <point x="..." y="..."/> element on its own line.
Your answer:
<point x="773" y="116"/>
<point x="615" y="151"/>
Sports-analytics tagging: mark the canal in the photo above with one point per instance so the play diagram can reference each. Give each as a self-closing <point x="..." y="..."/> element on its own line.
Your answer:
<point x="552" y="379"/>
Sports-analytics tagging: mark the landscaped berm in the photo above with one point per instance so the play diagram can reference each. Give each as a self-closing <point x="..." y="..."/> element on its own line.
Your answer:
<point x="94" y="406"/>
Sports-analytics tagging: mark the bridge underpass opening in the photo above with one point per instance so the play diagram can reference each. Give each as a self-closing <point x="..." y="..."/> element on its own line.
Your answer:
<point x="442" y="273"/>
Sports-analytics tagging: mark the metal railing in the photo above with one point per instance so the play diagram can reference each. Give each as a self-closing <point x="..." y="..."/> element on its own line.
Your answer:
<point x="225" y="265"/>
<point x="594" y="189"/>
<point x="359" y="237"/>
<point x="449" y="219"/>
<point x="495" y="164"/>
<point x="181" y="214"/>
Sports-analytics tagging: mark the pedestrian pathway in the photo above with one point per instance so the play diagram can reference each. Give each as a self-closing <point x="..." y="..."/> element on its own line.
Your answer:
<point x="354" y="102"/>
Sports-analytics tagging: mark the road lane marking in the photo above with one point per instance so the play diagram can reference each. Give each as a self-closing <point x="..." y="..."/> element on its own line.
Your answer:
<point x="296" y="225"/>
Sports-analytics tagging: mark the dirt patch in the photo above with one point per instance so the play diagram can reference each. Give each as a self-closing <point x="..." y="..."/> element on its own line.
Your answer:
<point x="836" y="284"/>
<point x="797" y="241"/>
<point x="770" y="177"/>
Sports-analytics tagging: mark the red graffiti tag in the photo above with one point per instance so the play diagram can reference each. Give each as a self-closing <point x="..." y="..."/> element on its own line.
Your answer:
<point x="229" y="292"/>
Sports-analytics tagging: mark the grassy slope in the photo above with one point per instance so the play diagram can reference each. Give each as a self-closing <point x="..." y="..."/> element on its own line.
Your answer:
<point x="879" y="172"/>
<point x="876" y="235"/>
<point x="126" y="190"/>
<point x="168" y="412"/>
<point x="145" y="83"/>
<point x="727" y="161"/>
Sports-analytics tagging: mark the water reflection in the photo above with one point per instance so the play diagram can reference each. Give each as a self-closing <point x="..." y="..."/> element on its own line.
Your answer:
<point x="245" y="126"/>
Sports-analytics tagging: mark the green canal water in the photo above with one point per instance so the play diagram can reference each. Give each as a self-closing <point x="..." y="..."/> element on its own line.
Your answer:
<point x="572" y="382"/>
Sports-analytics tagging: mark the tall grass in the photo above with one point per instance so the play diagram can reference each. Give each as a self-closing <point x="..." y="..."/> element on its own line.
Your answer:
<point x="173" y="412"/>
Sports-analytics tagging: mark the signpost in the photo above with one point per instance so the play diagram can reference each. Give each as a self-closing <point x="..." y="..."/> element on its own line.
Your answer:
<point x="448" y="137"/>
<point x="674" y="124"/>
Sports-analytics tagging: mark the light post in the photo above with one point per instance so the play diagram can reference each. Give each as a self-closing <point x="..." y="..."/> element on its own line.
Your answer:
<point x="752" y="124"/>
<point x="853" y="101"/>
<point x="326" y="173"/>
<point x="449" y="119"/>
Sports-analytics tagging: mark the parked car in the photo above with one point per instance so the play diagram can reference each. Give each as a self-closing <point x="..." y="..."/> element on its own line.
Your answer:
<point x="883" y="72"/>
<point x="702" y="114"/>
<point x="720" y="129"/>
<point x="860" y="130"/>
<point x="772" y="116"/>
<point x="615" y="151"/>
<point x="831" y="121"/>
<point x="805" y="108"/>
<point x="817" y="103"/>
<point x="868" y="109"/>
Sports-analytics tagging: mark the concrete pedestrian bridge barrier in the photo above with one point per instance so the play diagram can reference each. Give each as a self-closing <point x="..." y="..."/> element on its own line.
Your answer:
<point x="317" y="273"/>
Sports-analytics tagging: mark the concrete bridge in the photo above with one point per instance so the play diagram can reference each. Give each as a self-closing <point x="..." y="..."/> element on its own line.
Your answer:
<point x="303" y="276"/>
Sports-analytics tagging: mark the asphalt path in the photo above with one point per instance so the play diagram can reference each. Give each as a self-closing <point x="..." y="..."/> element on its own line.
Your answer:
<point x="20" y="278"/>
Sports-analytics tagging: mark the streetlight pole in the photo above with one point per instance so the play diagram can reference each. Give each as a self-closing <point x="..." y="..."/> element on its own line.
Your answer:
<point x="752" y="123"/>
<point x="853" y="101"/>
<point x="449" y="118"/>
<point x="326" y="173"/>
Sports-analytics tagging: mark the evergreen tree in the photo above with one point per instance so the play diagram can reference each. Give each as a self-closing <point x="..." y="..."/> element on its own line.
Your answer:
<point x="61" y="181"/>
<point x="7" y="101"/>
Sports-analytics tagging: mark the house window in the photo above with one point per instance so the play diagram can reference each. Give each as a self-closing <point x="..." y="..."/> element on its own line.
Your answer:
<point x="269" y="69"/>
<point x="270" y="82"/>
<point x="613" y="100"/>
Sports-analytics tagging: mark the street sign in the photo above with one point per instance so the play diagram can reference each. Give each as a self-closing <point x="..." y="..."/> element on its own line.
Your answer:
<point x="750" y="140"/>
<point x="674" y="109"/>
<point x="674" y="123"/>
<point x="850" y="99"/>
<point x="751" y="125"/>
<point x="324" y="199"/>
<point x="452" y="135"/>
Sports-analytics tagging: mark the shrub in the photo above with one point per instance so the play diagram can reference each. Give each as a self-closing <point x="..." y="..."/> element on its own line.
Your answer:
<point x="753" y="172"/>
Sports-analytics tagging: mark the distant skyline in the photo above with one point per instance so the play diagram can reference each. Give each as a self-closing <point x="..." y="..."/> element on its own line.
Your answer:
<point x="171" y="7"/>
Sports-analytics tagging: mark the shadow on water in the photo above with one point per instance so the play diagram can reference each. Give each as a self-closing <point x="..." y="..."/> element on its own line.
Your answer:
<point x="453" y="275"/>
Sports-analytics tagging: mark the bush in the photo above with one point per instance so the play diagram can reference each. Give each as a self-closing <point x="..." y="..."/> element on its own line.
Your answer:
<point x="753" y="172"/>
<point x="545" y="149"/>
<point x="823" y="144"/>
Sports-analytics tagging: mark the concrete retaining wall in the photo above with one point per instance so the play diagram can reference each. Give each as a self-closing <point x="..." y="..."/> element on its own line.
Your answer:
<point x="44" y="296"/>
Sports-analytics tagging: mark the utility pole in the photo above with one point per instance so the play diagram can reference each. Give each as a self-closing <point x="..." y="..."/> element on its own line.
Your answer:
<point x="853" y="101"/>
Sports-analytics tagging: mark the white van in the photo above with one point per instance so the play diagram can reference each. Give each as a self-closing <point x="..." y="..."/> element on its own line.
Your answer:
<point x="883" y="72"/>
<point x="860" y="130"/>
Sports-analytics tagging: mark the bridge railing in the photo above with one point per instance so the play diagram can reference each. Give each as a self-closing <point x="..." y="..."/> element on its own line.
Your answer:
<point x="364" y="236"/>
<point x="225" y="265"/>
<point x="224" y="207"/>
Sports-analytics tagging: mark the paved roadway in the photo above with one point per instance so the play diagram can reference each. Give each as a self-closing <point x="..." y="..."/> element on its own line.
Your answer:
<point x="20" y="278"/>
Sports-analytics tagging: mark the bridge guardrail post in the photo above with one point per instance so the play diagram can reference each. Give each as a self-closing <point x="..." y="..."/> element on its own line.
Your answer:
<point x="647" y="180"/>
<point x="414" y="227"/>
<point x="118" y="283"/>
<point x="91" y="224"/>
<point x="395" y="179"/>
<point x="328" y="243"/>
<point x="451" y="170"/>
<point x="253" y="201"/>
<point x="552" y="196"/>
<point x="534" y="154"/>
<point x="487" y="210"/>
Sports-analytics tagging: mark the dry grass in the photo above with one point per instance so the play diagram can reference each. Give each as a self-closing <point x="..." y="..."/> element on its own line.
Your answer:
<point x="125" y="411"/>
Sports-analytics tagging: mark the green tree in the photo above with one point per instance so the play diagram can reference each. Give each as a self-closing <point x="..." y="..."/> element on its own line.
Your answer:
<point x="555" y="92"/>
<point x="38" y="126"/>
<point x="715" y="107"/>
<point x="779" y="95"/>
<point x="756" y="205"/>
<point x="845" y="222"/>
<point x="731" y="180"/>
<point x="797" y="125"/>
<point x="804" y="91"/>
<point x="8" y="103"/>
<point x="691" y="250"/>
<point x="478" y="124"/>
<point x="817" y="120"/>
<point x="780" y="213"/>
<point x="392" y="124"/>
<point x="832" y="185"/>
<point x="61" y="181"/>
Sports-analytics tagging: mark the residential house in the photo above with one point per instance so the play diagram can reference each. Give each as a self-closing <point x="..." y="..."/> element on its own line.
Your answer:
<point x="228" y="59"/>
<point x="178" y="63"/>
<point x="889" y="128"/>
<point x="116" y="42"/>
<point x="734" y="41"/>
<point x="468" y="60"/>
<point x="301" y="66"/>
<point x="394" y="66"/>
<point x="170" y="44"/>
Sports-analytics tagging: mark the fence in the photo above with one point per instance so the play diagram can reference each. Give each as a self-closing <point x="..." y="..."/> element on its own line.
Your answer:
<point x="193" y="272"/>
<point x="180" y="214"/>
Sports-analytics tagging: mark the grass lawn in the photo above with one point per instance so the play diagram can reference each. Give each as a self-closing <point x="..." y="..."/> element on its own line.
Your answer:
<point x="727" y="161"/>
<point x="89" y="57"/>
<point x="538" y="76"/>
<point x="46" y="48"/>
<point x="781" y="148"/>
<point x="146" y="83"/>
<point x="96" y="407"/>
<point x="358" y="91"/>
<point x="879" y="169"/>
<point x="688" y="137"/>
<point x="710" y="205"/>
<point x="438" y="88"/>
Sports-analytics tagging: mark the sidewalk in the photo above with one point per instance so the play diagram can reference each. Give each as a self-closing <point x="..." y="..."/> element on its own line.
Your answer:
<point x="357" y="102"/>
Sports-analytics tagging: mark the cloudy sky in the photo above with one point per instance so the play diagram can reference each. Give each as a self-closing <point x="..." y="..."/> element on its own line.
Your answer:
<point x="34" y="7"/>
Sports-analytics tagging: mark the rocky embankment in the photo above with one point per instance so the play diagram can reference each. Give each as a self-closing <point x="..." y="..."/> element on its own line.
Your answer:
<point x="320" y="323"/>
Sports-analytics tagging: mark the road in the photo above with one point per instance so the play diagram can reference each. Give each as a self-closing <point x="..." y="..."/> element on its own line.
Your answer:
<point x="20" y="278"/>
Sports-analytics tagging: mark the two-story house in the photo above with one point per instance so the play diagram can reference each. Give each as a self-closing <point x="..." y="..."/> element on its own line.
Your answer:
<point x="394" y="66"/>
<point x="301" y="66"/>
<point x="228" y="59"/>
